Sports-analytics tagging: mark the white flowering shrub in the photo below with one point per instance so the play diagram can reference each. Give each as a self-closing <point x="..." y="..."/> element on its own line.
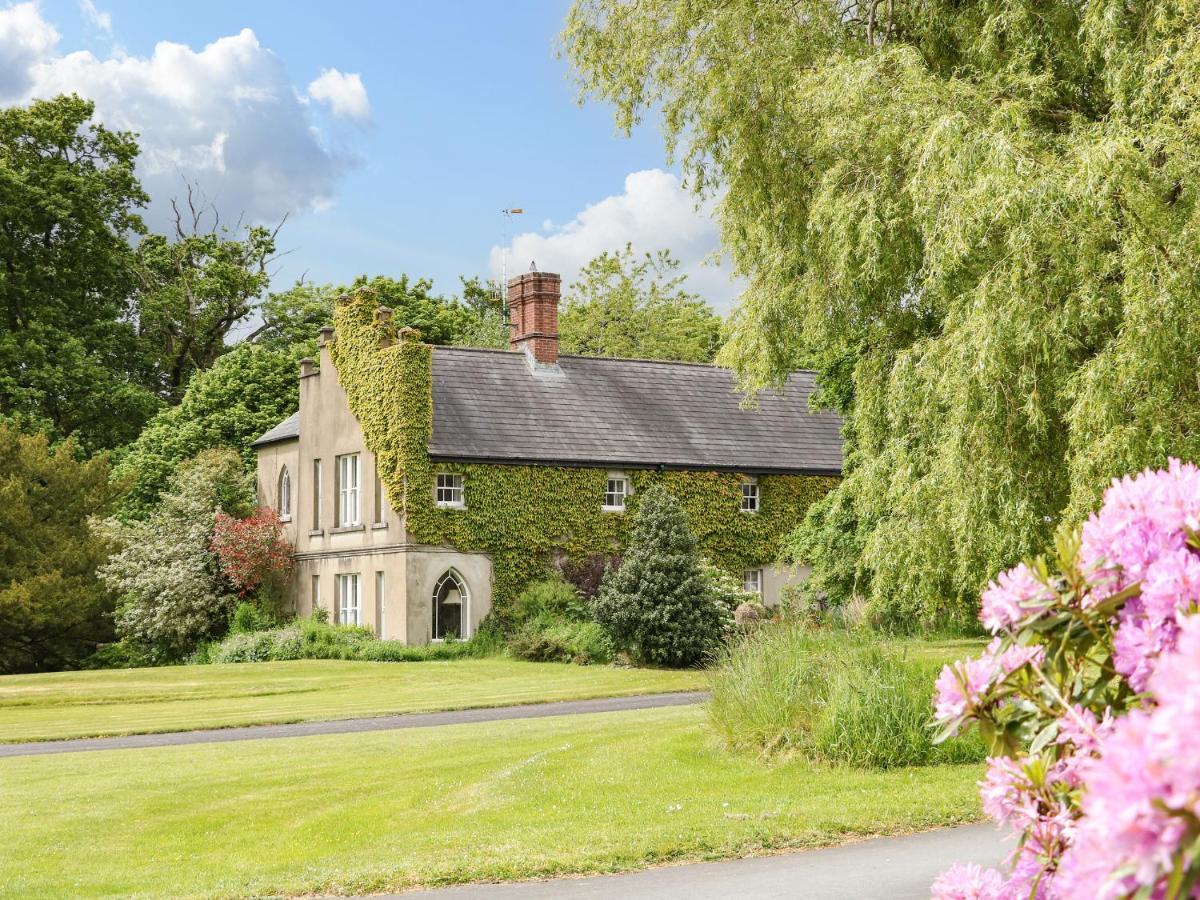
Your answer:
<point x="172" y="593"/>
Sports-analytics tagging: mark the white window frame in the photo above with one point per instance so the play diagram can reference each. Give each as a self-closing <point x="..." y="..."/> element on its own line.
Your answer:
<point x="450" y="490"/>
<point x="283" y="502"/>
<point x="464" y="594"/>
<point x="349" y="598"/>
<point x="380" y="602"/>
<point x="317" y="488"/>
<point x="617" y="491"/>
<point x="752" y="581"/>
<point x="349" y="473"/>
<point x="751" y="496"/>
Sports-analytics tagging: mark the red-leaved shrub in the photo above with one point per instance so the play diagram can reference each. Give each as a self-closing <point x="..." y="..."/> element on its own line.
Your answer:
<point x="252" y="551"/>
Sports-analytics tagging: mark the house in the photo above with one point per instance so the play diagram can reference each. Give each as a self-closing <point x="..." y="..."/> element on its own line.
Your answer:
<point x="423" y="486"/>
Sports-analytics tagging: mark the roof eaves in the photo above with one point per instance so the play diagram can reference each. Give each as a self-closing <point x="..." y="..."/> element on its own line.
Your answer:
<point x="627" y="464"/>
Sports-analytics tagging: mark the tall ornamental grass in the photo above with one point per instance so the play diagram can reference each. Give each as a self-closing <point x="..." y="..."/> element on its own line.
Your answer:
<point x="839" y="696"/>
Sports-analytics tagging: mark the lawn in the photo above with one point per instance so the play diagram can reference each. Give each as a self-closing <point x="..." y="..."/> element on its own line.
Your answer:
<point x="128" y="701"/>
<point x="389" y="810"/>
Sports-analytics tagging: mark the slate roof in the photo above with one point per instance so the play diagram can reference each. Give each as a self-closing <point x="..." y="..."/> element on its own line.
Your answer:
<point x="287" y="430"/>
<point x="488" y="406"/>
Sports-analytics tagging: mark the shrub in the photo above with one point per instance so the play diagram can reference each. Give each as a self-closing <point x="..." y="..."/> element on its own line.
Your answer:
<point x="586" y="574"/>
<point x="551" y="623"/>
<point x="551" y="600"/>
<point x="838" y="696"/>
<point x="583" y="643"/>
<point x="1089" y="698"/>
<point x="173" y="596"/>
<point x="253" y="553"/>
<point x="749" y="615"/>
<point x="314" y="639"/>
<point x="658" y="605"/>
<point x="248" y="617"/>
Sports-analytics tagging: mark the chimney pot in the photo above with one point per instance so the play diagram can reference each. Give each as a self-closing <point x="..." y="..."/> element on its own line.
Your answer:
<point x="306" y="367"/>
<point x="326" y="336"/>
<point x="533" y="307"/>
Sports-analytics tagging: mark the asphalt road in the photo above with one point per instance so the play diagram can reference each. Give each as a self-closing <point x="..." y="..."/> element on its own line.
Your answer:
<point x="353" y="726"/>
<point x="895" y="868"/>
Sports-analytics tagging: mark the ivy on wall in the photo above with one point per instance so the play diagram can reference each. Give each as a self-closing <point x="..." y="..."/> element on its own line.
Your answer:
<point x="520" y="514"/>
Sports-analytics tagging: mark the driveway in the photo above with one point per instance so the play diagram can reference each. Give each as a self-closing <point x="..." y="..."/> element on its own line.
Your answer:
<point x="353" y="726"/>
<point x="895" y="868"/>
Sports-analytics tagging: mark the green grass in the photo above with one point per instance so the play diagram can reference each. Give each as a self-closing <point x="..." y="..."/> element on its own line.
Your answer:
<point x="389" y="810"/>
<point x="129" y="701"/>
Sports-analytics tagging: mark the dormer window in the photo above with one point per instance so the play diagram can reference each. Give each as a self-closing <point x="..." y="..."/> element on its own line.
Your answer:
<point x="285" y="495"/>
<point x="750" y="495"/>
<point x="615" y="492"/>
<point x="449" y="491"/>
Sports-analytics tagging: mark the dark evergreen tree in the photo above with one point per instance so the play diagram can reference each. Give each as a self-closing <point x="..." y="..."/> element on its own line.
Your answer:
<point x="658" y="605"/>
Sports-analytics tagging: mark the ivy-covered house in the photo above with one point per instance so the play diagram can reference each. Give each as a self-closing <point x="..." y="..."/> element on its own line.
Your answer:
<point x="423" y="485"/>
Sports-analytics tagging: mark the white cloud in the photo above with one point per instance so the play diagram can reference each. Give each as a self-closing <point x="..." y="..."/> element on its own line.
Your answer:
<point x="25" y="39"/>
<point x="98" y="18"/>
<point x="345" y="94"/>
<point x="226" y="117"/>
<point x="654" y="212"/>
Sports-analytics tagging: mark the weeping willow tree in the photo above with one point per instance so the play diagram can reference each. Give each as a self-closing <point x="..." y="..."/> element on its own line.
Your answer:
<point x="978" y="220"/>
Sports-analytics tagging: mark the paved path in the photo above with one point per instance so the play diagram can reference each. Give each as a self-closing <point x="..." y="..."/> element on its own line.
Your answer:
<point x="894" y="868"/>
<point x="353" y="726"/>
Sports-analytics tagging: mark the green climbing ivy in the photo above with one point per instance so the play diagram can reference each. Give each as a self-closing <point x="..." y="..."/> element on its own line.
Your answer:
<point x="522" y="515"/>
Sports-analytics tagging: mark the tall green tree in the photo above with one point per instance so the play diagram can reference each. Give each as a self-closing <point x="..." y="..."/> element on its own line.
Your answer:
<point x="246" y="391"/>
<point x="484" y="300"/>
<point x="637" y="306"/>
<point x="294" y="316"/>
<point x="53" y="609"/>
<point x="979" y="220"/>
<point x="69" y="357"/>
<point x="193" y="288"/>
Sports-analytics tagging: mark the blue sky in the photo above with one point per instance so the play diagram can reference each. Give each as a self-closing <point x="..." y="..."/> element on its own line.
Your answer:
<point x="436" y="116"/>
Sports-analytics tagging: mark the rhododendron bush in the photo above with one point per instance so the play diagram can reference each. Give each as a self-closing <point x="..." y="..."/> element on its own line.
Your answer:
<point x="252" y="551"/>
<point x="1089" y="695"/>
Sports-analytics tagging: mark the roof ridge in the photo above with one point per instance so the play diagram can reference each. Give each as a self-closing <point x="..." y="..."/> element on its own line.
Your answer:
<point x="476" y="349"/>
<point x="612" y="359"/>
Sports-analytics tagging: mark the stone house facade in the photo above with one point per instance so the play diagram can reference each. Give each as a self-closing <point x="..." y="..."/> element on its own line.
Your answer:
<point x="478" y="468"/>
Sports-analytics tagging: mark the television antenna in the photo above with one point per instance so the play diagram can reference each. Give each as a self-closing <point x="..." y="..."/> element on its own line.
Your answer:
<point x="504" y="238"/>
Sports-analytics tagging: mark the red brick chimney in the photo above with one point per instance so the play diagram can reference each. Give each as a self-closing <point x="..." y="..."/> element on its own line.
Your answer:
<point x="533" y="307"/>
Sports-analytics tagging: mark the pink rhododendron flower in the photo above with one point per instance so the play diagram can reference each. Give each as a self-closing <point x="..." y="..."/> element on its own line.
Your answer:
<point x="969" y="882"/>
<point x="1014" y="657"/>
<point x="1142" y="517"/>
<point x="1014" y="596"/>
<point x="1103" y="804"/>
<point x="1005" y="792"/>
<point x="1147" y="769"/>
<point x="1140" y="536"/>
<point x="962" y="685"/>
<point x="1171" y="584"/>
<point x="1137" y="644"/>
